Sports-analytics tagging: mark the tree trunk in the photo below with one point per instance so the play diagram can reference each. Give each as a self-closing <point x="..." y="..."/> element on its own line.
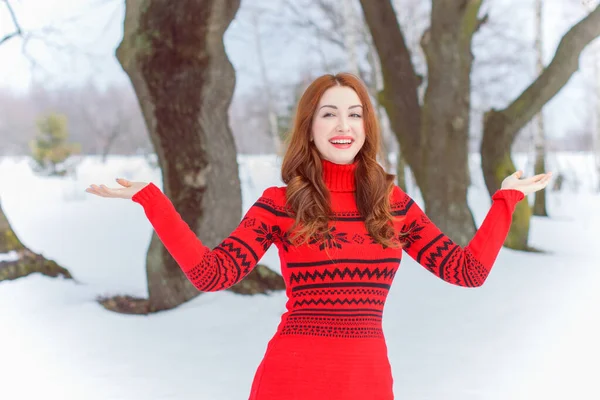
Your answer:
<point x="350" y="29"/>
<point x="399" y="96"/>
<point x="268" y="89"/>
<point x="434" y="138"/>
<point x="175" y="57"/>
<point x="18" y="261"/>
<point x="388" y="137"/>
<point x="597" y="135"/>
<point x="444" y="168"/>
<point x="539" y="204"/>
<point x="501" y="127"/>
<point x="401" y="171"/>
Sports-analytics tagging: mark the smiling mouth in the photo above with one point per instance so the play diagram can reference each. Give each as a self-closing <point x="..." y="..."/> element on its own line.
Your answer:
<point x="342" y="145"/>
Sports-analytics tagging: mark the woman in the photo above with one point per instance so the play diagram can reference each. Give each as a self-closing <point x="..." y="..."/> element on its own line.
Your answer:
<point x="340" y="226"/>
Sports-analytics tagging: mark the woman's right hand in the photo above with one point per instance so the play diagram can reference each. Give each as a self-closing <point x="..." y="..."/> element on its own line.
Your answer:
<point x="126" y="192"/>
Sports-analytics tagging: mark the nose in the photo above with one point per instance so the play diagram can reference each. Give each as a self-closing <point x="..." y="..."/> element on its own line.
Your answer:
<point x="343" y="125"/>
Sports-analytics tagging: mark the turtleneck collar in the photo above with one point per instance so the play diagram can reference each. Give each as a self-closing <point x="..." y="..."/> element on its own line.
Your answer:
<point x="339" y="177"/>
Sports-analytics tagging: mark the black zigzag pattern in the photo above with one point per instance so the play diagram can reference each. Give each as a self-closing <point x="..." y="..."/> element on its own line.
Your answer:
<point x="358" y="301"/>
<point x="239" y="255"/>
<point x="454" y="270"/>
<point x="441" y="250"/>
<point x="346" y="272"/>
<point x="325" y="292"/>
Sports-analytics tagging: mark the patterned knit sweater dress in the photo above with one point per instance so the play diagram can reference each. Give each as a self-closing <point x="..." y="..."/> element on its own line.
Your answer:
<point x="329" y="343"/>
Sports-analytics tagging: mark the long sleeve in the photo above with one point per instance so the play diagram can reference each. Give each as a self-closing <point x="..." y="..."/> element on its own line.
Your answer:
<point x="468" y="266"/>
<point x="229" y="262"/>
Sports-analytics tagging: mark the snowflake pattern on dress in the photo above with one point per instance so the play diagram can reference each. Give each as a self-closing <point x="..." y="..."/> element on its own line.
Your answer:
<point x="265" y="234"/>
<point x="331" y="239"/>
<point x="409" y="235"/>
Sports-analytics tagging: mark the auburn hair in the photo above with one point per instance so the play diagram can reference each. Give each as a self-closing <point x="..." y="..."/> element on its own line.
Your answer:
<point x="307" y="197"/>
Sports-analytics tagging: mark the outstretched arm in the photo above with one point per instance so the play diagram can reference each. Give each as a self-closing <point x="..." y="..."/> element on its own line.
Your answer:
<point x="229" y="262"/>
<point x="468" y="266"/>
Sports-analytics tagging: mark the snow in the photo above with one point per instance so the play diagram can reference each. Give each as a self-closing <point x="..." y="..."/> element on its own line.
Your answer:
<point x="529" y="333"/>
<point x="9" y="257"/>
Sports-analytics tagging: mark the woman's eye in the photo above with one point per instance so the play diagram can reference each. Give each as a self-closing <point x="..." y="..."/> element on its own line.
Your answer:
<point x="333" y="115"/>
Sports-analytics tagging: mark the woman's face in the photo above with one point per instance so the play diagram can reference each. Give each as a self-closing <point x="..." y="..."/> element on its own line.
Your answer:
<point x="339" y="117"/>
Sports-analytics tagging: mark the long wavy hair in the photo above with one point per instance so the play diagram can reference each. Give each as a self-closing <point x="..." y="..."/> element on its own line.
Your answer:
<point x="307" y="197"/>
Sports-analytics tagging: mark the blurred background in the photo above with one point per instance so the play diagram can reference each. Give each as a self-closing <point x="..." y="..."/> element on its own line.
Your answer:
<point x="466" y="91"/>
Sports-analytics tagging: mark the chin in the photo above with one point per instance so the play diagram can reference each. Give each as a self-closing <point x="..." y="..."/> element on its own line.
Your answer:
<point x="341" y="160"/>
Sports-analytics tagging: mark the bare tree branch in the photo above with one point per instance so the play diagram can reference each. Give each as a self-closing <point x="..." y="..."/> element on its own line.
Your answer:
<point x="50" y="36"/>
<point x="18" y="31"/>
<point x="305" y="22"/>
<point x="564" y="64"/>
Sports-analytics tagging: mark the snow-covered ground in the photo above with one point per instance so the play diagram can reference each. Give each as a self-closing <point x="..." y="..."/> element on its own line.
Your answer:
<point x="531" y="332"/>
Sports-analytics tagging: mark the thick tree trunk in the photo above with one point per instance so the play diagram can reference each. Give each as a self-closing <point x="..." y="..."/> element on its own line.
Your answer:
<point x="399" y="96"/>
<point x="17" y="261"/>
<point x="376" y="85"/>
<point x="501" y="127"/>
<point x="175" y="57"/>
<point x="445" y="117"/>
<point x="539" y="204"/>
<point x="434" y="138"/>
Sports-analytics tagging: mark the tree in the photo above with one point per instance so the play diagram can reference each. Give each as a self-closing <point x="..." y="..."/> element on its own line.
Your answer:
<point x="50" y="148"/>
<point x="267" y="87"/>
<point x="596" y="140"/>
<point x="108" y="116"/>
<point x="17" y="27"/>
<point x="174" y="55"/>
<point x="501" y="126"/>
<point x="539" y="205"/>
<point x="434" y="137"/>
<point x="23" y="261"/>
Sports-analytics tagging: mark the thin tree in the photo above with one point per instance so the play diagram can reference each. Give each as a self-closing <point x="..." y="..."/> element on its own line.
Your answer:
<point x="539" y="205"/>
<point x="267" y="87"/>
<point x="597" y="135"/>
<point x="18" y="31"/>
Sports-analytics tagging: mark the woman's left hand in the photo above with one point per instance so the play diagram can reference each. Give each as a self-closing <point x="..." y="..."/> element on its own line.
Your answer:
<point x="527" y="185"/>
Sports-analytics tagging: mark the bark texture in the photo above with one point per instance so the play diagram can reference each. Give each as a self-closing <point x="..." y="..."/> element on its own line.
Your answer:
<point x="434" y="137"/>
<point x="502" y="126"/>
<point x="23" y="261"/>
<point x="174" y="55"/>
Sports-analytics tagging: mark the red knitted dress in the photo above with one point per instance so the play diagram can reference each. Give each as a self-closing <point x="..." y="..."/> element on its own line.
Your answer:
<point x="329" y="343"/>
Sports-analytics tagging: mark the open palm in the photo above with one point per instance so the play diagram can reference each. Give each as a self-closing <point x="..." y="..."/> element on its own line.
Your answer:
<point x="126" y="192"/>
<point x="527" y="185"/>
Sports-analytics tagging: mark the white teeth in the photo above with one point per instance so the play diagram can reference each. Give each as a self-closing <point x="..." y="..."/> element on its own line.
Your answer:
<point x="341" y="141"/>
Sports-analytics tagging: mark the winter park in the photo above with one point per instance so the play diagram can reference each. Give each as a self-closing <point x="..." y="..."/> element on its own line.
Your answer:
<point x="182" y="279"/>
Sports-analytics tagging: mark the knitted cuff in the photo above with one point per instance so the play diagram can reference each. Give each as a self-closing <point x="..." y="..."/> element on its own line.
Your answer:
<point x="512" y="196"/>
<point x="146" y="194"/>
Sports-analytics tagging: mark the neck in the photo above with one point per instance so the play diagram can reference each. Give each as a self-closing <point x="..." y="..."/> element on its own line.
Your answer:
<point x="339" y="177"/>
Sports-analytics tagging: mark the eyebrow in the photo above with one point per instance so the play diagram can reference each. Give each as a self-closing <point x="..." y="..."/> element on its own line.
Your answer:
<point x="351" y="107"/>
